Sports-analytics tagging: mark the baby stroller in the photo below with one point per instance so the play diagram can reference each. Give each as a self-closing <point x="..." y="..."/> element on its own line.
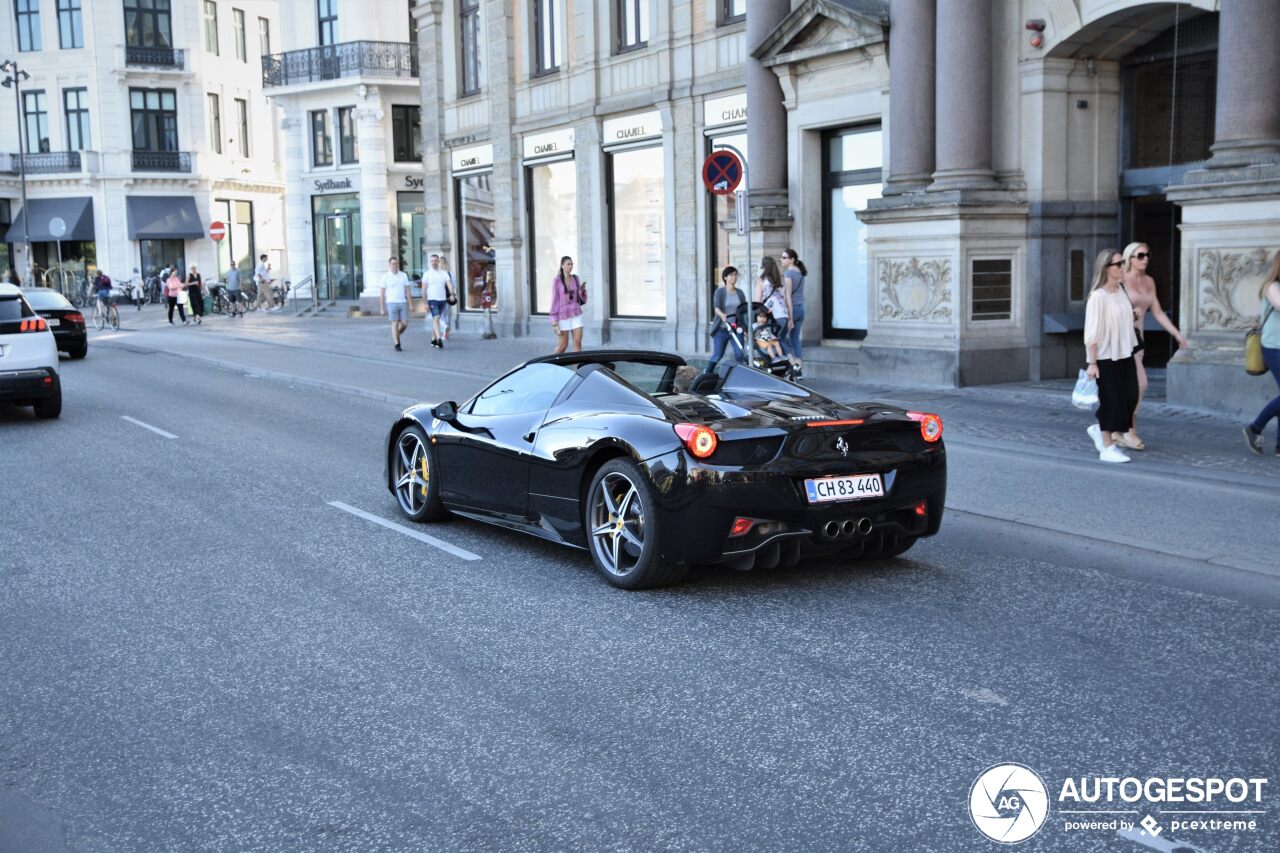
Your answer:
<point x="741" y="327"/>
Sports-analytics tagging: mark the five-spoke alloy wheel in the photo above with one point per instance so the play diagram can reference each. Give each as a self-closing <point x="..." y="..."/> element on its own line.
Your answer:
<point x="623" y="530"/>
<point x="411" y="463"/>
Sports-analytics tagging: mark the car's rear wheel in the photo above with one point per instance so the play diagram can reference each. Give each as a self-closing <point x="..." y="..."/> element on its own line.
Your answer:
<point x="623" y="529"/>
<point x="78" y="352"/>
<point x="417" y="492"/>
<point x="50" y="407"/>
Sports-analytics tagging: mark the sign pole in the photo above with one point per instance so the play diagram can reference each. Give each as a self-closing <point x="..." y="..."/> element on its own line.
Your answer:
<point x="746" y="199"/>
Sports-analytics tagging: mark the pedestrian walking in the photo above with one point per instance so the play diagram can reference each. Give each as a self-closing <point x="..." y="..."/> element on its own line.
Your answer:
<point x="1141" y="290"/>
<point x="774" y="290"/>
<point x="1109" y="340"/>
<point x="173" y="291"/>
<point x="450" y="305"/>
<point x="794" y="270"/>
<point x="1269" y="311"/>
<point x="724" y="304"/>
<point x="568" y="294"/>
<point x="397" y="301"/>
<point x="233" y="291"/>
<point x="195" y="294"/>
<point x="437" y="287"/>
<point x="262" y="277"/>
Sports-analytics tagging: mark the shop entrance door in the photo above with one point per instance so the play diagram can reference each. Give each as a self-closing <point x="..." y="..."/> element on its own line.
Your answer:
<point x="339" y="257"/>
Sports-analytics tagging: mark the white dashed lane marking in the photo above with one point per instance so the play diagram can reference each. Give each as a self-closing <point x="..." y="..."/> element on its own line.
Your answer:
<point x="460" y="553"/>
<point x="156" y="430"/>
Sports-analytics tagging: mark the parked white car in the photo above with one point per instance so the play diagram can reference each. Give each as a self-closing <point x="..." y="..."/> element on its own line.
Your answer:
<point x="28" y="356"/>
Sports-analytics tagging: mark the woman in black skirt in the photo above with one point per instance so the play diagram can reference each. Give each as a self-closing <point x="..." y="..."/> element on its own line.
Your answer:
<point x="1110" y="340"/>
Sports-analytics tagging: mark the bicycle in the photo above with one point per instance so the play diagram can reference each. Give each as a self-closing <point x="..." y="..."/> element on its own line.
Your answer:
<point x="102" y="317"/>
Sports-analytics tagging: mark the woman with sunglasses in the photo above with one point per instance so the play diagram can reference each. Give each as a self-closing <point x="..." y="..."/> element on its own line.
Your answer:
<point x="1109" y="339"/>
<point x="1141" y="289"/>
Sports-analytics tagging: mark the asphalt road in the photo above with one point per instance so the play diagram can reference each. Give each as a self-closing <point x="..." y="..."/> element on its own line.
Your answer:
<point x="202" y="652"/>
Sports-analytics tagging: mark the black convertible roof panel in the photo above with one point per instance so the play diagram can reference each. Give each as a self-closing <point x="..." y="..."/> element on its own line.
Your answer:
<point x="600" y="356"/>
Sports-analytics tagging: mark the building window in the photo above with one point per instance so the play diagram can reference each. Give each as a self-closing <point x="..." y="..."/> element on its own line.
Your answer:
<point x="215" y="123"/>
<point x="411" y="234"/>
<point x="327" y="19"/>
<point x="991" y="289"/>
<point x="242" y="125"/>
<point x="28" y="12"/>
<point x="637" y="228"/>
<point x="553" y="224"/>
<point x="546" y="28"/>
<point x="36" y="117"/>
<point x="476" y="224"/>
<point x="732" y="11"/>
<point x="154" y="114"/>
<point x="237" y="22"/>
<point x="469" y="30"/>
<point x="406" y="133"/>
<point x="147" y="23"/>
<point x="75" y="102"/>
<point x="237" y="249"/>
<point x="631" y="19"/>
<point x="211" y="26"/>
<point x="264" y="37"/>
<point x="321" y="141"/>
<point x="348" y="143"/>
<point x="70" y="24"/>
<point x="853" y="160"/>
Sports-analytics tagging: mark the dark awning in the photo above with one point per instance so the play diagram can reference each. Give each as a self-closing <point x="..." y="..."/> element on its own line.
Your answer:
<point x="77" y="212"/>
<point x="163" y="217"/>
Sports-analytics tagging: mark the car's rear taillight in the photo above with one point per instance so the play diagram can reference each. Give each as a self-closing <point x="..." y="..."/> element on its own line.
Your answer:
<point x="74" y="318"/>
<point x="701" y="441"/>
<point x="35" y="324"/>
<point x="930" y="425"/>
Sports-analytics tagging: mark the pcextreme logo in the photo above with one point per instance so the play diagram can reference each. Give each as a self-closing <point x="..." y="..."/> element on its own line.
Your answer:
<point x="1009" y="803"/>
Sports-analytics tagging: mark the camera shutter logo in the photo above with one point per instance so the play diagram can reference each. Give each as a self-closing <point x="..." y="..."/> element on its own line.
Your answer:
<point x="1008" y="803"/>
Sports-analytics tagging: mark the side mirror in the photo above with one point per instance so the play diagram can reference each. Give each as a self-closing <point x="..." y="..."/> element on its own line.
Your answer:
<point x="447" y="412"/>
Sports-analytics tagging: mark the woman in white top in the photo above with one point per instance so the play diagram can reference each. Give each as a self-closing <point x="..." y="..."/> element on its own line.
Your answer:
<point x="774" y="290"/>
<point x="1109" y="340"/>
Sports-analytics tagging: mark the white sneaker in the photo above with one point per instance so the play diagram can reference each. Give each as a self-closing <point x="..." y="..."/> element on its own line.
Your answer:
<point x="1112" y="454"/>
<point x="1095" y="432"/>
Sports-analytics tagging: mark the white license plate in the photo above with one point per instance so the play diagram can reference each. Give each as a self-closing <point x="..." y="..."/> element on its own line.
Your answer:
<point x="53" y="321"/>
<point x="851" y="488"/>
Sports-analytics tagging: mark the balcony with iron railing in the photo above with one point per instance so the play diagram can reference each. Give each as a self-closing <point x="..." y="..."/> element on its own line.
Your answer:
<point x="154" y="57"/>
<point x="162" y="161"/>
<point x="42" y="163"/>
<point x="332" y="62"/>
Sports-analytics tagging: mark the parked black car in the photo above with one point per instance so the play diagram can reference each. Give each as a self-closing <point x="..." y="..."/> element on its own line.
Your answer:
<point x="603" y="451"/>
<point x="64" y="319"/>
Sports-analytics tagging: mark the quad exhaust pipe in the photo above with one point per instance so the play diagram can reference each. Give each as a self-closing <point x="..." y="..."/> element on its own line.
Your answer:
<point x="848" y="527"/>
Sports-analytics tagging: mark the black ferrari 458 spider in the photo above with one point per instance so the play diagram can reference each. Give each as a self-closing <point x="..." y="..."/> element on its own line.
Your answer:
<point x="604" y="451"/>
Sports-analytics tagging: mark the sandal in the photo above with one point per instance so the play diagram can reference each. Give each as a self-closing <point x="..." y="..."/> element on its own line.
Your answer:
<point x="1128" y="440"/>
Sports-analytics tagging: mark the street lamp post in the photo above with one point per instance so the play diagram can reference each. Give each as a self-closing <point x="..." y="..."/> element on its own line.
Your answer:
<point x="14" y="77"/>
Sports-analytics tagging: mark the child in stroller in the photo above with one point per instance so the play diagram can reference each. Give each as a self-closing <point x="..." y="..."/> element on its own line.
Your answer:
<point x="760" y="341"/>
<point x="763" y="337"/>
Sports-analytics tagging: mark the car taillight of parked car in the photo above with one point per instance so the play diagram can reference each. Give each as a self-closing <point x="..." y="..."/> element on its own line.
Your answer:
<point x="701" y="441"/>
<point x="930" y="425"/>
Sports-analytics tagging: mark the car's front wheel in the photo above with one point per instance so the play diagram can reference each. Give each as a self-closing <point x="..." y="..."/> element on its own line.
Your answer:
<point x="412" y="464"/>
<point x="623" y="528"/>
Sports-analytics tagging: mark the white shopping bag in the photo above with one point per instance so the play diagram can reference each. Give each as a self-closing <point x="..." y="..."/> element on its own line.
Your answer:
<point x="1085" y="395"/>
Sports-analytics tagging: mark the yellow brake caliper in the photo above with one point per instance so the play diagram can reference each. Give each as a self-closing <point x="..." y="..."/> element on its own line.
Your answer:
<point x="426" y="475"/>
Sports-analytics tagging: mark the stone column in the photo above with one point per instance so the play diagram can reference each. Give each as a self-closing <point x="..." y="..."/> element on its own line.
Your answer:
<point x="297" y="198"/>
<point x="1247" y="124"/>
<point x="766" y="116"/>
<point x="911" y="95"/>
<point x="508" y="240"/>
<point x="432" y="31"/>
<point x="375" y="201"/>
<point x="963" y="92"/>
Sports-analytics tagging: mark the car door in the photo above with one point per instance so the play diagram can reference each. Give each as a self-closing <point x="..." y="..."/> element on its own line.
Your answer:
<point x="484" y="456"/>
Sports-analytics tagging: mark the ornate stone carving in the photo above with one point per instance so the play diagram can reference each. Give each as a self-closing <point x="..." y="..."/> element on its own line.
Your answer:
<point x="1229" y="283"/>
<point x="915" y="290"/>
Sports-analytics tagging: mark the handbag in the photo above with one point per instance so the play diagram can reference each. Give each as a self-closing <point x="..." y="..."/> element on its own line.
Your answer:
<point x="1254" y="364"/>
<point x="1085" y="394"/>
<point x="582" y="293"/>
<point x="450" y="298"/>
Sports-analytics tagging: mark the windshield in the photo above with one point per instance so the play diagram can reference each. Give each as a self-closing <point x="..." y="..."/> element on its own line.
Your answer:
<point x="46" y="299"/>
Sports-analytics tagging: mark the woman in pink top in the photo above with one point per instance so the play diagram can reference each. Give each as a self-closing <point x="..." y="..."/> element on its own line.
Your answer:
<point x="1109" y="340"/>
<point x="173" y="290"/>
<point x="567" y="297"/>
<point x="1141" y="289"/>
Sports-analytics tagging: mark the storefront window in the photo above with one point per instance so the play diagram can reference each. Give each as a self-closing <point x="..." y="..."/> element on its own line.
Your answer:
<point x="238" y="246"/>
<point x="158" y="254"/>
<point x="637" y="228"/>
<point x="79" y="264"/>
<point x="475" y="237"/>
<point x="6" y="249"/>
<point x="853" y="177"/>
<point x="411" y="232"/>
<point x="553" y="224"/>
<point x="335" y="223"/>
<point x="727" y="247"/>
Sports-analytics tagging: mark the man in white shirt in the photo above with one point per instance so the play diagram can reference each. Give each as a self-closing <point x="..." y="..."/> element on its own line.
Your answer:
<point x="437" y="287"/>
<point x="262" y="278"/>
<point x="397" y="301"/>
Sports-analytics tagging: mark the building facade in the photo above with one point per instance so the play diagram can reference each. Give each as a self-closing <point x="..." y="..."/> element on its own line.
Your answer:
<point x="347" y="84"/>
<point x="143" y="122"/>
<point x="947" y="169"/>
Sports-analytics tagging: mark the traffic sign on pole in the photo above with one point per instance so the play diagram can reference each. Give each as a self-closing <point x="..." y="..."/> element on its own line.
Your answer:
<point x="217" y="230"/>
<point x="722" y="172"/>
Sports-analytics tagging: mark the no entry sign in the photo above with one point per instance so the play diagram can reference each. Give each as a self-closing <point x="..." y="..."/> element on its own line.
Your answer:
<point x="722" y="172"/>
<point x="217" y="230"/>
